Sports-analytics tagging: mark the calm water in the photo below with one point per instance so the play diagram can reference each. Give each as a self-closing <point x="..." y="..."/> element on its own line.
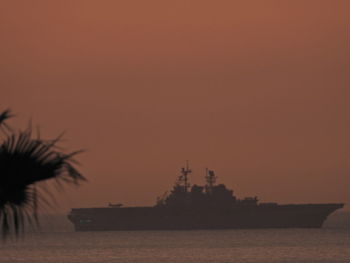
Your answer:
<point x="329" y="244"/>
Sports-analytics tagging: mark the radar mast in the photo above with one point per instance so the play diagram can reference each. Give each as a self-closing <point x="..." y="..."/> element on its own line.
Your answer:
<point x="183" y="178"/>
<point x="210" y="179"/>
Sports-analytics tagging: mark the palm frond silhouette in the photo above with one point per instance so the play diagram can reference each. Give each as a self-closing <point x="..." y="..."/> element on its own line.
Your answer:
<point x="3" y="117"/>
<point x="24" y="162"/>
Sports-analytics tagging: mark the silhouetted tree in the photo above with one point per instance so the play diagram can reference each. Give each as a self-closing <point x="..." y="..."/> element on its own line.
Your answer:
<point x="26" y="160"/>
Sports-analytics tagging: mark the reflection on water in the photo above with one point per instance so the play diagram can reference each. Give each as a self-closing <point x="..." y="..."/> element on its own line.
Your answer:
<point x="329" y="244"/>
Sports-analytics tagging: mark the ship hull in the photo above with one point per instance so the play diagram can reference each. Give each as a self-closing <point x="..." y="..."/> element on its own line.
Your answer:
<point x="157" y="218"/>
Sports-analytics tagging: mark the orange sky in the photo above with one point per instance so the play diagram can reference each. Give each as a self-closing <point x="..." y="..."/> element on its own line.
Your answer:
<point x="256" y="90"/>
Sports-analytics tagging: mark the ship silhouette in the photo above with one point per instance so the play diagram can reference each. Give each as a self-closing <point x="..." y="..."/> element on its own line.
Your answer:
<point x="212" y="206"/>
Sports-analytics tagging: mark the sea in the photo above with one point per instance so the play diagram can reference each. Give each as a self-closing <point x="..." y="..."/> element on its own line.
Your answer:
<point x="56" y="242"/>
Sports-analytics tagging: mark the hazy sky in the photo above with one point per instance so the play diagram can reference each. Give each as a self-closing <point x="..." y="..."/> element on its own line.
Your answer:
<point x="259" y="91"/>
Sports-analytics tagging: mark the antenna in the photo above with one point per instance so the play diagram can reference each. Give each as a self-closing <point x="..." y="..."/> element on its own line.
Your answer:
<point x="184" y="177"/>
<point x="210" y="179"/>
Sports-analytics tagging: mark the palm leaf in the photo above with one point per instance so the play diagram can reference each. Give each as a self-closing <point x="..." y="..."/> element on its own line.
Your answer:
<point x="6" y="114"/>
<point x="24" y="162"/>
<point x="3" y="117"/>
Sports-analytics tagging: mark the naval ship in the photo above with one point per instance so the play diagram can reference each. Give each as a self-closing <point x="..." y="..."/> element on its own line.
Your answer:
<point x="212" y="206"/>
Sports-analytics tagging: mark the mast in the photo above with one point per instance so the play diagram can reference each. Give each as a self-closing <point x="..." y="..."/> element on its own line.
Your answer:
<point x="185" y="171"/>
<point x="210" y="179"/>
